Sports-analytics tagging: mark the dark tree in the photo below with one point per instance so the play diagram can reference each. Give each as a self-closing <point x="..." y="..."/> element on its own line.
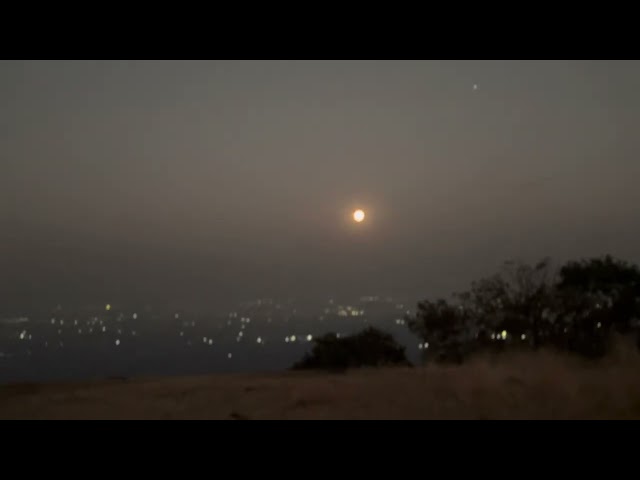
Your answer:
<point x="444" y="328"/>
<point x="513" y="300"/>
<point x="578" y="322"/>
<point x="616" y="284"/>
<point x="576" y="311"/>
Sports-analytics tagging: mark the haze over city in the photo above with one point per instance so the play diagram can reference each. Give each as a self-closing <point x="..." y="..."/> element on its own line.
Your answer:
<point x="201" y="181"/>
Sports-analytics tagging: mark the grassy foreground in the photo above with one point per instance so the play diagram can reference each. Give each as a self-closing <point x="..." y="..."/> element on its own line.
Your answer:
<point x="511" y="386"/>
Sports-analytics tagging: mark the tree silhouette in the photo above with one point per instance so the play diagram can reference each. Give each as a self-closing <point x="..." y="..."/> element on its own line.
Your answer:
<point x="616" y="283"/>
<point x="512" y="300"/>
<point x="578" y="322"/>
<point x="442" y="327"/>
<point x="575" y="310"/>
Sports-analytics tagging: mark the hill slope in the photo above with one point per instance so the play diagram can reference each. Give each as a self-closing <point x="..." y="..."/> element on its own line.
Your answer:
<point x="526" y="386"/>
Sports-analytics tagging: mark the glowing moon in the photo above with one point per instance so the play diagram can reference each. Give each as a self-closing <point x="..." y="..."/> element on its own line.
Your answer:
<point x="358" y="216"/>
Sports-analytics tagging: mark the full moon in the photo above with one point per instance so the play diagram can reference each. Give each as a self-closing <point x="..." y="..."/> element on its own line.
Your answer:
<point x="358" y="216"/>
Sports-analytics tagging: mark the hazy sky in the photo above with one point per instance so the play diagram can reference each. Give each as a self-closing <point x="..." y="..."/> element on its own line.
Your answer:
<point x="204" y="181"/>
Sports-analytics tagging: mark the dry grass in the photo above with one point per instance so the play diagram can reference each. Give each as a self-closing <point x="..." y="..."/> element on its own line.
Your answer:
<point x="511" y="386"/>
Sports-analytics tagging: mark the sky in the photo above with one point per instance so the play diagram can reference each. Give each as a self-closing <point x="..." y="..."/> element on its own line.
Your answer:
<point x="198" y="182"/>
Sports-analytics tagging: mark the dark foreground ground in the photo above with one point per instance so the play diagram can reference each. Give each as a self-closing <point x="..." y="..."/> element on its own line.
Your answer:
<point x="514" y="386"/>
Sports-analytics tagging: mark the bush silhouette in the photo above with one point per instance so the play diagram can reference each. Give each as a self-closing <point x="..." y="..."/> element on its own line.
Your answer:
<point x="370" y="347"/>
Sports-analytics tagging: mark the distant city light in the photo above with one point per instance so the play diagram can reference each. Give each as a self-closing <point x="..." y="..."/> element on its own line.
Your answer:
<point x="182" y="334"/>
<point x="204" y="339"/>
<point x="117" y="342"/>
<point x="293" y="338"/>
<point x="23" y="334"/>
<point x="108" y="307"/>
<point x="523" y="336"/>
<point x="79" y="331"/>
<point x="259" y="340"/>
<point x="53" y="321"/>
<point x="104" y="329"/>
<point x="135" y="316"/>
<point x="229" y="355"/>
<point x="177" y="316"/>
<point x="286" y="339"/>
<point x="133" y="333"/>
<point x="504" y="334"/>
<point x="210" y="342"/>
<point x="599" y="325"/>
<point x="309" y="337"/>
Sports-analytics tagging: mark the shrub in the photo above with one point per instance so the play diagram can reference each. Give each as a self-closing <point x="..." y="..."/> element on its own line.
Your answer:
<point x="371" y="347"/>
